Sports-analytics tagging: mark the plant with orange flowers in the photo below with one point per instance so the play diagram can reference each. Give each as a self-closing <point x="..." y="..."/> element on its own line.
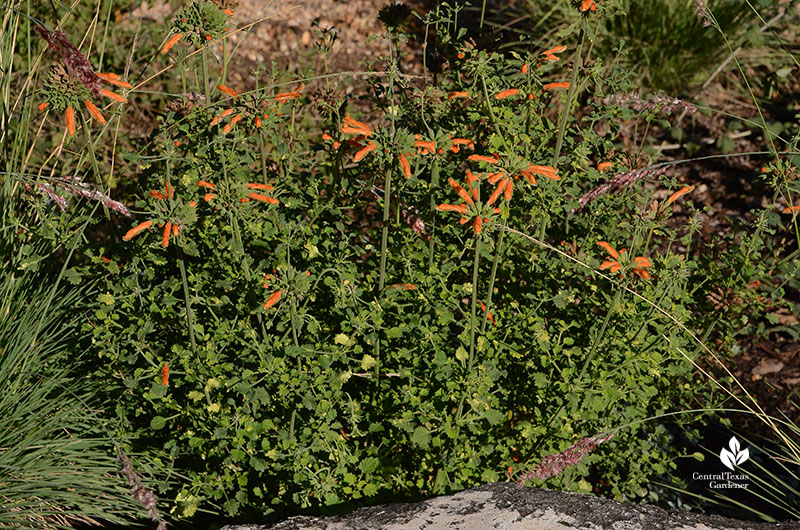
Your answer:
<point x="332" y="296"/>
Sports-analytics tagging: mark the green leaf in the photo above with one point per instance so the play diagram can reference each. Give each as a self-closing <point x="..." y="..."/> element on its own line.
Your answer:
<point x="106" y="299"/>
<point x="368" y="361"/>
<point x="493" y="416"/>
<point x="421" y="437"/>
<point x="158" y="422"/>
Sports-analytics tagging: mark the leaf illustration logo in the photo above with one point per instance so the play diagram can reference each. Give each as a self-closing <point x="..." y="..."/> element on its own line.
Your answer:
<point x="736" y="455"/>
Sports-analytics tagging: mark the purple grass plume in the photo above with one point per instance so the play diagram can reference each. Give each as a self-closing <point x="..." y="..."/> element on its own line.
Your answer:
<point x="75" y="186"/>
<point x="554" y="465"/>
<point x="139" y="492"/>
<point x="658" y="104"/>
<point x="77" y="64"/>
<point x="621" y="180"/>
<point x="702" y="12"/>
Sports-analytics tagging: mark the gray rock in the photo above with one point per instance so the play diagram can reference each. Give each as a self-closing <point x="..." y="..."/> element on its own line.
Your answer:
<point x="506" y="506"/>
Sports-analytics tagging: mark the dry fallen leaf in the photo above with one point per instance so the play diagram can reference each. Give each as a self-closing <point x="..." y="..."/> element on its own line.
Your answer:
<point x="768" y="366"/>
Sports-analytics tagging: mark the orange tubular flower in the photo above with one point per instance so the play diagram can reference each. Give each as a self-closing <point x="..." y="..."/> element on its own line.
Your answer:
<point x="790" y="209"/>
<point x="208" y="196"/>
<point x="481" y="158"/>
<point x="228" y="12"/>
<point x="507" y="93"/>
<point x="272" y="300"/>
<point x="157" y="195"/>
<point x="43" y="105"/>
<point x="228" y="91"/>
<point x="457" y="142"/>
<point x="529" y="176"/>
<point x="588" y="5"/>
<point x="459" y="208"/>
<point x="545" y="171"/>
<point x="612" y="265"/>
<point x="357" y="124"/>
<point x="608" y="248"/>
<point x="94" y="111"/>
<point x="352" y="126"/>
<point x="165" y="375"/>
<point x="427" y="148"/>
<point x="461" y="192"/>
<point x="404" y="165"/>
<point x="458" y="95"/>
<point x="285" y="96"/>
<point x="141" y="227"/>
<point x="167" y="231"/>
<point x="70" y="117"/>
<point x="683" y="191"/>
<point x="112" y="95"/>
<point x="256" y="186"/>
<point x="494" y="177"/>
<point x="488" y="314"/>
<point x="364" y="152"/>
<point x="641" y="264"/>
<point x="403" y="286"/>
<point x="509" y="189"/>
<point x="114" y="79"/>
<point x="550" y="54"/>
<point x="225" y="113"/>
<point x="602" y="166"/>
<point x="204" y="184"/>
<point x="171" y="42"/>
<point x="478" y="224"/>
<point x="524" y="68"/>
<point x="263" y="198"/>
<point x="169" y="190"/>
<point x="175" y="230"/>
<point x="553" y="86"/>
<point x="347" y="129"/>
<point x="497" y="191"/>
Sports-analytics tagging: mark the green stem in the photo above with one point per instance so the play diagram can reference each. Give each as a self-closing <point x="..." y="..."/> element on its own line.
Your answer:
<point x="189" y="313"/>
<point x="387" y="195"/>
<point x="498" y="251"/>
<point x="432" y="232"/>
<point x="473" y="306"/>
<point x="93" y="156"/>
<point x="206" y="86"/>
<point x="599" y="337"/>
<point x="292" y="319"/>
<point x="573" y="89"/>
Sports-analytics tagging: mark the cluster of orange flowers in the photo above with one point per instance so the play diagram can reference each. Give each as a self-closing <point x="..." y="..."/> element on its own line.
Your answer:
<point x="469" y="207"/>
<point x="613" y="265"/>
<point x="254" y="195"/>
<point x="69" y="113"/>
<point x="172" y="227"/>
<point x="248" y="111"/>
<point x="589" y="5"/>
